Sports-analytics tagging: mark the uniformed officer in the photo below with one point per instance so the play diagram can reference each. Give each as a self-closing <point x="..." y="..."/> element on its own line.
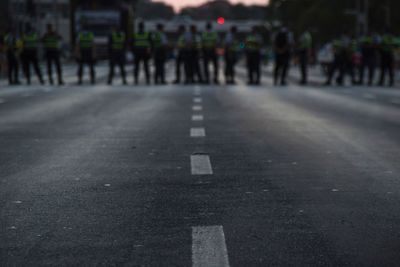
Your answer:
<point x="116" y="49"/>
<point x="368" y="46"/>
<point x="29" y="56"/>
<point x="160" y="43"/>
<point x="85" y="54"/>
<point x="210" y="42"/>
<point x="180" y="56"/>
<point x="51" y="42"/>
<point x="351" y="47"/>
<point x="12" y="50"/>
<point x="282" y="50"/>
<point x="338" y="64"/>
<point x="231" y="47"/>
<point x="304" y="52"/>
<point x="141" y="43"/>
<point x="253" y="54"/>
<point x="387" y="58"/>
<point x="193" y="44"/>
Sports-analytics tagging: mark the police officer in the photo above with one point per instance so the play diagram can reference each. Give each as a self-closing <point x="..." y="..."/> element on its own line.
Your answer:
<point x="282" y="55"/>
<point x="210" y="42"/>
<point x="160" y="43"/>
<point x="338" y="64"/>
<point x="116" y="49"/>
<point x="304" y="51"/>
<point x="253" y="54"/>
<point x="29" y="56"/>
<point x="51" y="42"/>
<point x="141" y="43"/>
<point x="193" y="45"/>
<point x="231" y="47"/>
<point x="180" y="56"/>
<point x="12" y="49"/>
<point x="387" y="58"/>
<point x="368" y="46"/>
<point x="85" y="54"/>
<point x="351" y="47"/>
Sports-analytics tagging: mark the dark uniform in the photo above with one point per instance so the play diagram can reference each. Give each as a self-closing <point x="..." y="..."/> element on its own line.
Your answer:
<point x="160" y="57"/>
<point x="351" y="47"/>
<point x="180" y="59"/>
<point x="209" y="45"/>
<point x="142" y="51"/>
<point x="368" y="59"/>
<point x="117" y="45"/>
<point x="86" y="55"/>
<point x="282" y="57"/>
<point x="11" y="44"/>
<point x="338" y="63"/>
<point x="253" y="54"/>
<point x="51" y="42"/>
<point x="29" y="56"/>
<point x="193" y="44"/>
<point x="387" y="59"/>
<point x="305" y="45"/>
<point x="231" y="50"/>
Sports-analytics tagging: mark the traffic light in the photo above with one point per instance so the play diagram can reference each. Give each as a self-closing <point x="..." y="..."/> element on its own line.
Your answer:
<point x="221" y="20"/>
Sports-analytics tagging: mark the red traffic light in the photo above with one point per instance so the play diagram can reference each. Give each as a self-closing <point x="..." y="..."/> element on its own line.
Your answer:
<point x="221" y="20"/>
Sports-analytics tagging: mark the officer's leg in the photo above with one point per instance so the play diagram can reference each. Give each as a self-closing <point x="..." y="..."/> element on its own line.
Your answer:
<point x="285" y="66"/>
<point x="157" y="74"/>
<point x="122" y="68"/>
<point x="278" y="67"/>
<point x="49" y="68"/>
<point x="303" y="67"/>
<point x="35" y="63"/>
<point x="391" y="70"/>
<point x="178" y="64"/>
<point x="216" y="66"/>
<point x="257" y="68"/>
<point x="383" y="69"/>
<point x="92" y="71"/>
<point x="10" y="64"/>
<point x="111" y="71"/>
<point x="162" y="67"/>
<point x="80" y="71"/>
<point x="146" y="68"/>
<point x="57" y="61"/>
<point x="136" y="67"/>
<point x="227" y="68"/>
<point x="16" y="70"/>
<point x="27" y="70"/>
<point x="206" y="62"/>
<point x="197" y="71"/>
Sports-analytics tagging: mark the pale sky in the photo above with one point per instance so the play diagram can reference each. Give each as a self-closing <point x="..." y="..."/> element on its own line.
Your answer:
<point x="178" y="4"/>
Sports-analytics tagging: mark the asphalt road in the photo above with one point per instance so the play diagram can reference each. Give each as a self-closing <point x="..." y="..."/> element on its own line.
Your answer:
<point x="199" y="176"/>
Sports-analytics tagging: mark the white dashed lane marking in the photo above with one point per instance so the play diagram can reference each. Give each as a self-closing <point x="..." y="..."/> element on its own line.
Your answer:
<point x="197" y="108"/>
<point x="197" y="100"/>
<point x="197" y="117"/>
<point x="369" y="96"/>
<point x="200" y="165"/>
<point x="197" y="132"/>
<point x="209" y="247"/>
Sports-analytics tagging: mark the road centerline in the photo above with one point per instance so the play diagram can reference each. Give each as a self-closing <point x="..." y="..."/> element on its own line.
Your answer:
<point x="200" y="165"/>
<point x="197" y="132"/>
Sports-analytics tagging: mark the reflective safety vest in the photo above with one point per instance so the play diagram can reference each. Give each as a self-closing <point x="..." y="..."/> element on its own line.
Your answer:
<point x="30" y="41"/>
<point x="197" y="42"/>
<point x="181" y="42"/>
<point x="337" y="46"/>
<point x="86" y="40"/>
<point x="157" y="39"/>
<point x="306" y="41"/>
<point x="51" y="41"/>
<point x="387" y="43"/>
<point x="209" y="39"/>
<point x="252" y="43"/>
<point x="141" y="40"/>
<point x="118" y="40"/>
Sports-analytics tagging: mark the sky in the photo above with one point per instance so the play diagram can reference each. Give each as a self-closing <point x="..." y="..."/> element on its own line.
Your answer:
<point x="178" y="4"/>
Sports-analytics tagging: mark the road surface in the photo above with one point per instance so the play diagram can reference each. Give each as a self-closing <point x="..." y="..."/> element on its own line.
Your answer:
<point x="199" y="175"/>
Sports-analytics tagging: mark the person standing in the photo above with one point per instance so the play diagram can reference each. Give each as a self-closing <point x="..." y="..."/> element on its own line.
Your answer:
<point x="304" y="52"/>
<point x="231" y="46"/>
<point x="368" y="45"/>
<point x="387" y="58"/>
<point x="180" y="56"/>
<point x="141" y="43"/>
<point x="30" y="42"/>
<point x="282" y="56"/>
<point x="51" y="42"/>
<point x="193" y="43"/>
<point x="338" y="63"/>
<point x="85" y="55"/>
<point x="210" y="42"/>
<point x="116" y="49"/>
<point x="253" y="54"/>
<point x="12" y="50"/>
<point x="160" y="44"/>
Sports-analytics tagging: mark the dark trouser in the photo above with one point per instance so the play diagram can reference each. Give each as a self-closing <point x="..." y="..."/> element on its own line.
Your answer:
<point x="141" y="55"/>
<point x="281" y="67"/>
<point x="210" y="55"/>
<point x="303" y="62"/>
<point x="339" y="65"/>
<point x="180" y="62"/>
<point x="349" y="68"/>
<point x="86" y="59"/>
<point x="193" y="66"/>
<point x="230" y="61"/>
<point x="117" y="58"/>
<point x="387" y="65"/>
<point x="13" y="68"/>
<point x="54" y="57"/>
<point x="30" y="58"/>
<point x="160" y="56"/>
<point x="369" y="62"/>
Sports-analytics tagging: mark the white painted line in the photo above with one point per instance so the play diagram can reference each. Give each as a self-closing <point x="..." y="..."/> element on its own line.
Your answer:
<point x="197" y="132"/>
<point x="197" y="100"/>
<point x="200" y="165"/>
<point x="197" y="108"/>
<point x="209" y="247"/>
<point x="197" y="117"/>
